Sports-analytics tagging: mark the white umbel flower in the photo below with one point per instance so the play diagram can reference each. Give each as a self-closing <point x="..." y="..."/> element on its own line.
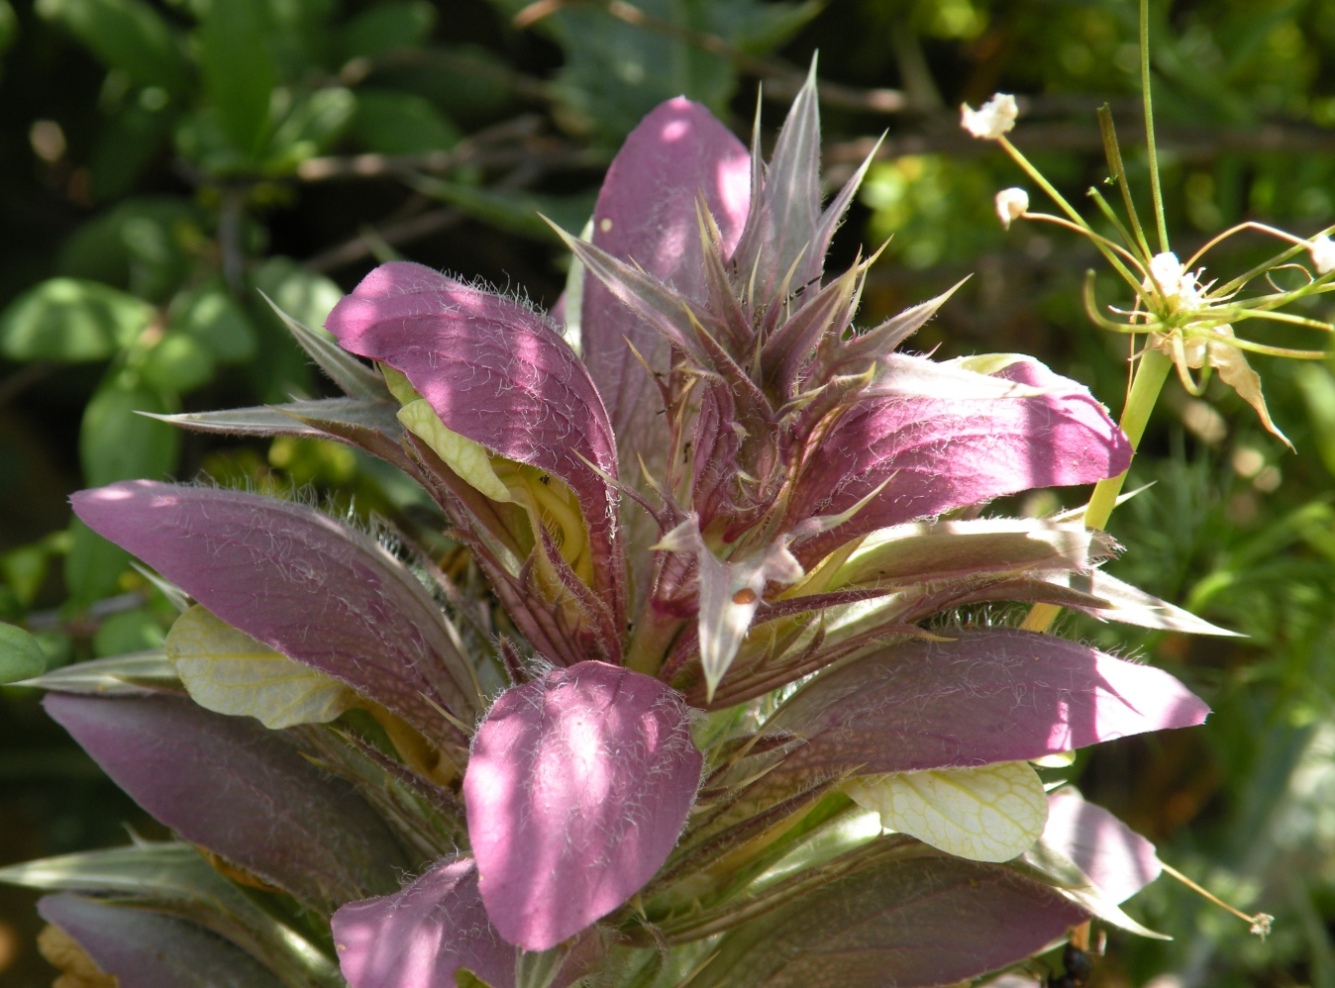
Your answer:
<point x="1011" y="205"/>
<point x="992" y="119"/>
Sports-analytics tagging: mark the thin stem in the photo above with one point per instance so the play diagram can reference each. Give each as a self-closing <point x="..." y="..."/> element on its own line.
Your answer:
<point x="1156" y="192"/>
<point x="1114" y="154"/>
<point x="1260" y="922"/>
<point x="1151" y="373"/>
<point x="1077" y="220"/>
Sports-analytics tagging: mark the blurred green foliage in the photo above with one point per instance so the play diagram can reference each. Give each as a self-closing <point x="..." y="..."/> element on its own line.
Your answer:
<point x="166" y="162"/>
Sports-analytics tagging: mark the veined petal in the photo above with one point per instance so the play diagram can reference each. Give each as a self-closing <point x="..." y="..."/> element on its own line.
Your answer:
<point x="228" y="672"/>
<point x="646" y="215"/>
<point x="576" y="791"/>
<point x="299" y="581"/>
<point x="941" y="438"/>
<point x="499" y="375"/>
<point x="986" y="696"/>
<point x="236" y="788"/>
<point x="419" y="937"/>
<point x="989" y="813"/>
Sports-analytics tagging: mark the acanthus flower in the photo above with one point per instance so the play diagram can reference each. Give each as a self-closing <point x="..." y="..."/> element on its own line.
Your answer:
<point x="727" y="490"/>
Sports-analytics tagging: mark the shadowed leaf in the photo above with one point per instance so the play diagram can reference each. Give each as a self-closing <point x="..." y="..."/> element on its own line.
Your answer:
<point x="986" y="696"/>
<point x="148" y="950"/>
<point x="234" y="787"/>
<point x="925" y="921"/>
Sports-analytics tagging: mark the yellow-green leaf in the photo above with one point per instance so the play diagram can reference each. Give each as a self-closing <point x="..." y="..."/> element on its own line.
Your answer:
<point x="229" y="672"/>
<point x="468" y="459"/>
<point x="990" y="813"/>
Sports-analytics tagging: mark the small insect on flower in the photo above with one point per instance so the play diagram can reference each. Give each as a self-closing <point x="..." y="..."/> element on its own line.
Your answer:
<point x="1077" y="969"/>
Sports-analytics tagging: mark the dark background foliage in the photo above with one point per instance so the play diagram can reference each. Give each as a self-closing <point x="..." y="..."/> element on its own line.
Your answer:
<point x="161" y="163"/>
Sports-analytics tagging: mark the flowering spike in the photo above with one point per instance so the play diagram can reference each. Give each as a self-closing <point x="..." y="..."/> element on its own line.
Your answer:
<point x="1116" y="859"/>
<point x="995" y="434"/>
<point x="914" y="921"/>
<point x="730" y="593"/>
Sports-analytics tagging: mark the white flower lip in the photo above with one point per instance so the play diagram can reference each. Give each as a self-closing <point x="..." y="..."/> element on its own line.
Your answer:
<point x="1011" y="205"/>
<point x="991" y="120"/>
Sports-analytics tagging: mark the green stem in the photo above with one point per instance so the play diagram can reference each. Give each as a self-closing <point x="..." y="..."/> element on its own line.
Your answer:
<point x="1155" y="191"/>
<point x="1148" y="382"/>
<point x="1145" y="387"/>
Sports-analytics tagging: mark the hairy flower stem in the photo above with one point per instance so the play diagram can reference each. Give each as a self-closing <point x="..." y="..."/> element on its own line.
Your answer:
<point x="1151" y="373"/>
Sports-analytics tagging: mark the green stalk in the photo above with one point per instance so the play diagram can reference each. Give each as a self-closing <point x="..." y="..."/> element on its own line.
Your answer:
<point x="1155" y="191"/>
<point x="1145" y="388"/>
<point x="1148" y="382"/>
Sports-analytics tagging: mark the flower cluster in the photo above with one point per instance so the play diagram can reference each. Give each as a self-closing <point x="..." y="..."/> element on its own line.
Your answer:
<point x="721" y="710"/>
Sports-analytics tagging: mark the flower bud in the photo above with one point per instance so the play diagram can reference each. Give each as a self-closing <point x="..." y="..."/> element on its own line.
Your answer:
<point x="992" y="119"/>
<point x="1011" y="205"/>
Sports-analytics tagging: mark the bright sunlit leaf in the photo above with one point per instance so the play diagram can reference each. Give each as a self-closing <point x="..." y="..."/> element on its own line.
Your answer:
<point x="990" y="813"/>
<point x="228" y="672"/>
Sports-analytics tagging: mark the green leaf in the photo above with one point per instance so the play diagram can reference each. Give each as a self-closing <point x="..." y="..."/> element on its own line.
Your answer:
<point x="615" y="72"/>
<point x="239" y="70"/>
<point x="25" y="569"/>
<point x="145" y="245"/>
<point x="130" y="674"/>
<point x="128" y="632"/>
<point x="307" y="298"/>
<point x="387" y="26"/>
<point x="116" y="443"/>
<point x="229" y="672"/>
<point x="177" y="364"/>
<point x="393" y="122"/>
<point x="176" y="880"/>
<point x="130" y="139"/>
<point x="991" y="813"/>
<point x="210" y="316"/>
<point x="128" y="35"/>
<point x="70" y="320"/>
<point x="20" y="655"/>
<point x="9" y="26"/>
<point x="311" y="125"/>
<point x="93" y="566"/>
